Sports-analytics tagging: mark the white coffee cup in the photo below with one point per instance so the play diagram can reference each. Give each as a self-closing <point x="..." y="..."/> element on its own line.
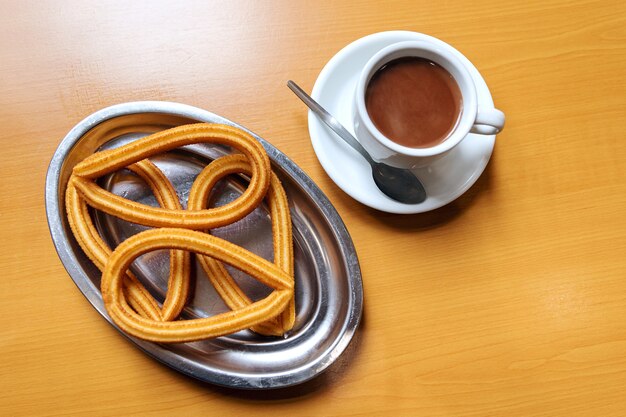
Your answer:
<point x="473" y="118"/>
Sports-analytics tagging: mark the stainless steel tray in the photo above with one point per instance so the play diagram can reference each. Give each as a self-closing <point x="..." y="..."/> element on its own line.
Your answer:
<point x="328" y="279"/>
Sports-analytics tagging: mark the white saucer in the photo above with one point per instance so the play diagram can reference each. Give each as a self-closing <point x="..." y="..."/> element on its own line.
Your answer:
<point x="444" y="180"/>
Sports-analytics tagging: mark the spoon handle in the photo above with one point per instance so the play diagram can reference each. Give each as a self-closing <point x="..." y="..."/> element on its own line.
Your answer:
<point x="329" y="120"/>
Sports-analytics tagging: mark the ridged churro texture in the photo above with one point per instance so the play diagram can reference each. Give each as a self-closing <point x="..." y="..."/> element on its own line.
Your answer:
<point x="128" y="303"/>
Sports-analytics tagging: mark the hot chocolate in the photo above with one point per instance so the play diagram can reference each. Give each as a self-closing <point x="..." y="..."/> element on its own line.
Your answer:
<point x="414" y="102"/>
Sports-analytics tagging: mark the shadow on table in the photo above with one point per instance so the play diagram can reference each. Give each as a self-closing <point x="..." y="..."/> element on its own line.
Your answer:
<point x="437" y="217"/>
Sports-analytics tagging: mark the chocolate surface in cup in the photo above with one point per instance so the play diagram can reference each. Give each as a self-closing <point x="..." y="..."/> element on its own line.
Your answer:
<point x="413" y="102"/>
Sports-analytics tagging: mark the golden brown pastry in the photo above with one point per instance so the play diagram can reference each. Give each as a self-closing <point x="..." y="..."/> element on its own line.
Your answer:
<point x="98" y="251"/>
<point x="281" y="231"/>
<point x="189" y="330"/>
<point x="128" y="303"/>
<point x="101" y="163"/>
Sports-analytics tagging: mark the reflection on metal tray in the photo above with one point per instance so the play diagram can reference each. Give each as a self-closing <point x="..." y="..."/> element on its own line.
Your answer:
<point x="328" y="278"/>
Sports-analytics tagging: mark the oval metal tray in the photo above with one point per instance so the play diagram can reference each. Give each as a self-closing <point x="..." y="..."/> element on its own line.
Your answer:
<point x="328" y="279"/>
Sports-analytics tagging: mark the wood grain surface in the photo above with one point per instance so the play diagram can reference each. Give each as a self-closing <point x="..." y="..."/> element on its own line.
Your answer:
<point x="510" y="301"/>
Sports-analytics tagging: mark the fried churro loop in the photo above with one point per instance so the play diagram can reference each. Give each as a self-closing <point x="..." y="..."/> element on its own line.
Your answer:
<point x="127" y="301"/>
<point x="195" y="329"/>
<point x="276" y="199"/>
<point x="108" y="161"/>
<point x="98" y="251"/>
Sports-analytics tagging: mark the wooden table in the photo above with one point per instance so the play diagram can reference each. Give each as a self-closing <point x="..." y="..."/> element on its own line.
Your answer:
<point x="510" y="301"/>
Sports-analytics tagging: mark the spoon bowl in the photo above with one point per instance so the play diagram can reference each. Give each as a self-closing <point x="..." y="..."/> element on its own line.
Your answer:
<point x="399" y="184"/>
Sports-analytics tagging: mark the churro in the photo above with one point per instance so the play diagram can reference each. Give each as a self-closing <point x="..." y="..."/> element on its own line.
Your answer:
<point x="281" y="231"/>
<point x="127" y="301"/>
<point x="195" y="329"/>
<point x="98" y="251"/>
<point x="105" y="162"/>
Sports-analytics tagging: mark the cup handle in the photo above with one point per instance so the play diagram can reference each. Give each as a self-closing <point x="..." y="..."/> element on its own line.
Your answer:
<point x="488" y="122"/>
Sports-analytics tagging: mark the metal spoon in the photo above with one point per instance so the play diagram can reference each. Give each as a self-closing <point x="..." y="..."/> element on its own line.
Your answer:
<point x="399" y="184"/>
